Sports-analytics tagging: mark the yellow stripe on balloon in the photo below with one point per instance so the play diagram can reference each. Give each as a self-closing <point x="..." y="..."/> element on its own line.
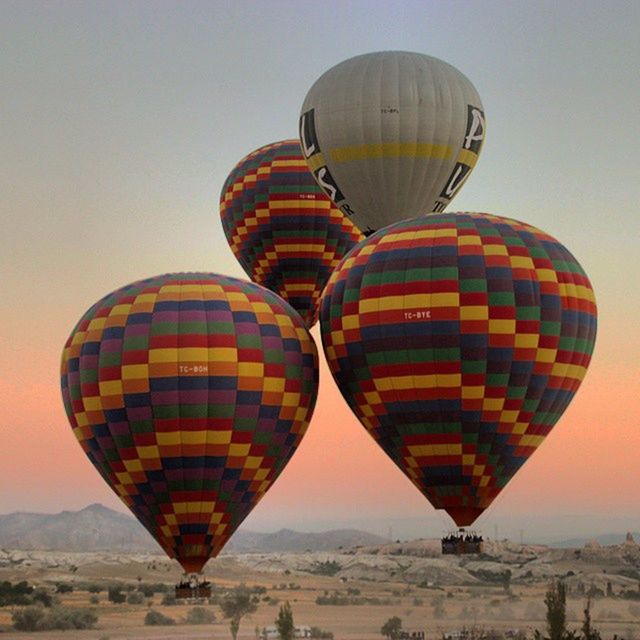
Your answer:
<point x="468" y="157"/>
<point x="423" y="450"/>
<point x="391" y="150"/>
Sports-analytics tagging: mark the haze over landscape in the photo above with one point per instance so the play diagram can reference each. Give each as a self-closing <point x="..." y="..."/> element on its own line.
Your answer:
<point x="120" y="123"/>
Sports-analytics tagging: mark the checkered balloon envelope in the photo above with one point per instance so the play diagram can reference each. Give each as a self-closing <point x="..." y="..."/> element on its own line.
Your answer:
<point x="189" y="393"/>
<point x="285" y="232"/>
<point x="458" y="340"/>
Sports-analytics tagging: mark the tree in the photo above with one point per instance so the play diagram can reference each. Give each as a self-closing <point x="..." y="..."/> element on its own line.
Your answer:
<point x="391" y="628"/>
<point x="506" y="581"/>
<point x="556" y="602"/>
<point x="588" y="632"/>
<point x="284" y="622"/>
<point x="235" y="605"/>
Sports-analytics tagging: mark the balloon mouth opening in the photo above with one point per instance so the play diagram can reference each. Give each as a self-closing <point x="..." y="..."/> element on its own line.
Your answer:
<point x="464" y="516"/>
<point x="193" y="565"/>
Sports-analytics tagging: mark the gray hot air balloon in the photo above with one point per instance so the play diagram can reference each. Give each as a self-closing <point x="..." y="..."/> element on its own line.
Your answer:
<point x="391" y="135"/>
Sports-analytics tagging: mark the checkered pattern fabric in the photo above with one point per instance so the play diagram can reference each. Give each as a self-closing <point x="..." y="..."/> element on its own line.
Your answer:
<point x="458" y="340"/>
<point x="189" y="393"/>
<point x="285" y="232"/>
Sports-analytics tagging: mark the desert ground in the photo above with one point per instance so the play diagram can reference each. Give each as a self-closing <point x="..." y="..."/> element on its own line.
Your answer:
<point x="502" y="589"/>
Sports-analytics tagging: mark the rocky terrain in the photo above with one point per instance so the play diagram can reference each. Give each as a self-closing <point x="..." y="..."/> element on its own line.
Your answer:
<point x="615" y="569"/>
<point x="353" y="591"/>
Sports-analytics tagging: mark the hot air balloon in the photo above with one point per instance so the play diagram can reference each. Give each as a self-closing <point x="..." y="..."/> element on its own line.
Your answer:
<point x="458" y="340"/>
<point x="189" y="393"/>
<point x="391" y="135"/>
<point x="286" y="234"/>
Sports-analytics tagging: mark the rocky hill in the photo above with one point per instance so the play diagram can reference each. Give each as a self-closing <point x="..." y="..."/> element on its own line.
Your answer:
<point x="97" y="528"/>
<point x="294" y="541"/>
<point x="91" y="529"/>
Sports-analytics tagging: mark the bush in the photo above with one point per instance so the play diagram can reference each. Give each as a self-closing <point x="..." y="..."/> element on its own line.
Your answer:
<point x="200" y="615"/>
<point x="95" y="588"/>
<point x="115" y="595"/>
<point x="155" y="618"/>
<point x="28" y="619"/>
<point x="94" y="599"/>
<point x="42" y="596"/>
<point x="135" y="597"/>
<point x="169" y="598"/>
<point x="18" y="593"/>
<point x="147" y="590"/>
<point x="37" y="618"/>
<point x="63" y="587"/>
<point x="63" y="618"/>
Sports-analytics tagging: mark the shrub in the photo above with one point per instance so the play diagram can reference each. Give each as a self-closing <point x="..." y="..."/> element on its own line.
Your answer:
<point x="18" y="593"/>
<point x="28" y="619"/>
<point x="135" y="597"/>
<point x="147" y="590"/>
<point x="37" y="618"/>
<point x="95" y="588"/>
<point x="63" y="618"/>
<point x="42" y="596"/>
<point x="94" y="599"/>
<point x="169" y="598"/>
<point x="115" y="595"/>
<point x="63" y="587"/>
<point x="200" y="615"/>
<point x="392" y="628"/>
<point x="155" y="618"/>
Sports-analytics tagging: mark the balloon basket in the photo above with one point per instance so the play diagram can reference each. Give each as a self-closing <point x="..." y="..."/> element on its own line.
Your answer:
<point x="462" y="543"/>
<point x="193" y="588"/>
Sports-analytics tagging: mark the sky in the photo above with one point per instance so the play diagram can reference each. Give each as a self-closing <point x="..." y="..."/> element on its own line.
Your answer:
<point x="119" y="123"/>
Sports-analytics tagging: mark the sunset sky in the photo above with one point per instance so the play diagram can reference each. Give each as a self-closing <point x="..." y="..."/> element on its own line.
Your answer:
<point x="119" y="123"/>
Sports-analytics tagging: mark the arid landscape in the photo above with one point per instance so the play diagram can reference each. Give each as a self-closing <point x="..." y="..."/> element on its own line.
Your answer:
<point x="350" y="592"/>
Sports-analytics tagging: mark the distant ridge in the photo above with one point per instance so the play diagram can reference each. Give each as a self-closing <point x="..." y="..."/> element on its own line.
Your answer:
<point x="605" y="540"/>
<point x="288" y="540"/>
<point x="98" y="528"/>
<point x="94" y="528"/>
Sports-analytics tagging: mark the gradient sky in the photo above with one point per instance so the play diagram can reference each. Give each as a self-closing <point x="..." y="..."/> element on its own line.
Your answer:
<point x="119" y="123"/>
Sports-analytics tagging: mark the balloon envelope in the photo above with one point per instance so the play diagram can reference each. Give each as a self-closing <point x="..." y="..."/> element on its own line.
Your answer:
<point x="287" y="235"/>
<point x="391" y="135"/>
<point x="458" y="340"/>
<point x="189" y="393"/>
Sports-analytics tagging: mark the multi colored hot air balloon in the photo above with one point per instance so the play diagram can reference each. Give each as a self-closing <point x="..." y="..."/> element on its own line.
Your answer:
<point x="391" y="135"/>
<point x="189" y="393"/>
<point x="458" y="340"/>
<point x="286" y="234"/>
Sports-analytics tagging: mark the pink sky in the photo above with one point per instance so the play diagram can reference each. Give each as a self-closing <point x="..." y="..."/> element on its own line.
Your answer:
<point x="588" y="464"/>
<point x="122" y="121"/>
